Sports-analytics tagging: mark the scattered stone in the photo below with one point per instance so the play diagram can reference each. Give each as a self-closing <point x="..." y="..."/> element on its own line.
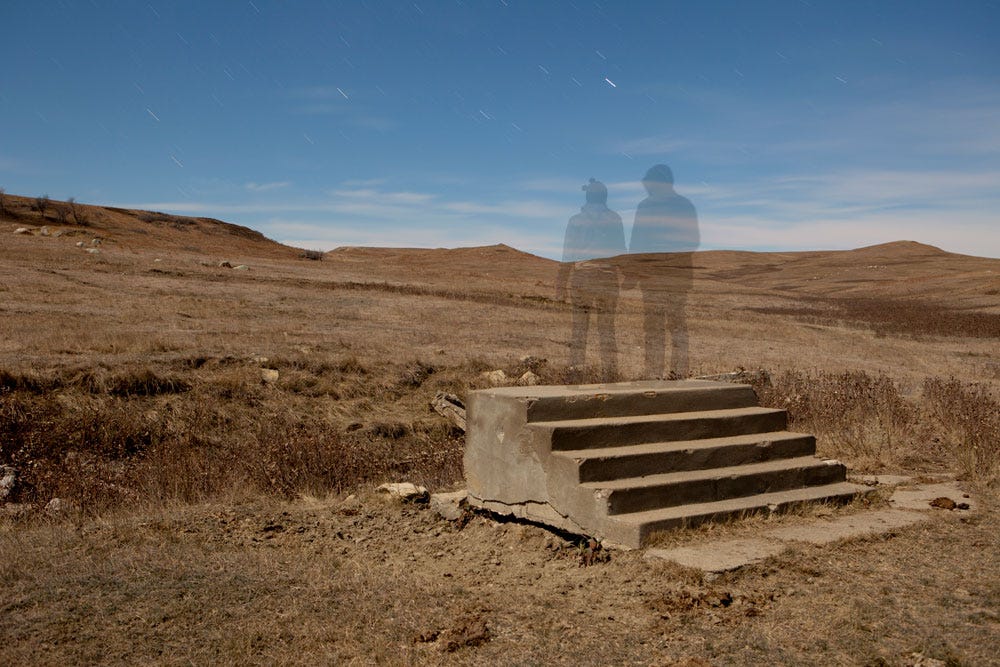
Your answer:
<point x="93" y="251"/>
<point x="22" y="230"/>
<point x="56" y="505"/>
<point x="57" y="233"/>
<point x="451" y="506"/>
<point x="225" y="265"/>
<point x="80" y="244"/>
<point x="451" y="408"/>
<point x="529" y="379"/>
<point x="946" y="503"/>
<point x="350" y="506"/>
<point x="241" y="267"/>
<point x="95" y="242"/>
<point x="496" y="378"/>
<point x="44" y="231"/>
<point x="405" y="491"/>
<point x="8" y="480"/>
<point x="269" y="375"/>
<point x="157" y="260"/>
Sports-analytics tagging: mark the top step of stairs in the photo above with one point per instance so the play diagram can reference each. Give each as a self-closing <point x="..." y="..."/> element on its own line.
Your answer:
<point x="623" y="399"/>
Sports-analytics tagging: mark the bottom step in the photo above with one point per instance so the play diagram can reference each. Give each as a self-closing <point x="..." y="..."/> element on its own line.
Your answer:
<point x="638" y="527"/>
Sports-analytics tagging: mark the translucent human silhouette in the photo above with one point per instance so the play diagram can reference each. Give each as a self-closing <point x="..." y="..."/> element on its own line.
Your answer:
<point x="591" y="279"/>
<point x="665" y="222"/>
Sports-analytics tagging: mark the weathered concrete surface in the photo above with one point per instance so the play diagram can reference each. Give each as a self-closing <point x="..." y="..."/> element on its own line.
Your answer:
<point x="608" y="460"/>
<point x="920" y="497"/>
<point x="721" y="556"/>
<point x="847" y="527"/>
<point x="729" y="554"/>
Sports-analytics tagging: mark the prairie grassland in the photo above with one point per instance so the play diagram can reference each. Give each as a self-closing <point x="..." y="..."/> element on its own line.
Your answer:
<point x="206" y="518"/>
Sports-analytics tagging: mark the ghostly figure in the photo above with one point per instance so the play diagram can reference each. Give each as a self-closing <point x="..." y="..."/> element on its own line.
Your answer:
<point x="593" y="237"/>
<point x="665" y="222"/>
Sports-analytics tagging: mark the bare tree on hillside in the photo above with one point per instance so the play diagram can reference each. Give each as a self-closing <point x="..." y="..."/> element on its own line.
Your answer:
<point x="79" y="215"/>
<point x="42" y="204"/>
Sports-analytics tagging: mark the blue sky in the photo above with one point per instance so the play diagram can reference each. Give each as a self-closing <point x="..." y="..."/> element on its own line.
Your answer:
<point x="790" y="125"/>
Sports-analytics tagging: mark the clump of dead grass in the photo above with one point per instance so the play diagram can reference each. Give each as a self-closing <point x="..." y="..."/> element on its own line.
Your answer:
<point x="876" y="424"/>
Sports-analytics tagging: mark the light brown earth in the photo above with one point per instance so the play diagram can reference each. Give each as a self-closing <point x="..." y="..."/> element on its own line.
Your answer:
<point x="206" y="519"/>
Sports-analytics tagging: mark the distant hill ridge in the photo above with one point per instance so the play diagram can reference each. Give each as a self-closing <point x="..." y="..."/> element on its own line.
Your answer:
<point x="905" y="268"/>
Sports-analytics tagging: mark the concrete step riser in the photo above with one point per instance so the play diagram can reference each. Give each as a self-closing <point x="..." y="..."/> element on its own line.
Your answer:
<point x="621" y="467"/>
<point x="648" y="530"/>
<point x="623" y="501"/>
<point x="640" y="403"/>
<point x="673" y="430"/>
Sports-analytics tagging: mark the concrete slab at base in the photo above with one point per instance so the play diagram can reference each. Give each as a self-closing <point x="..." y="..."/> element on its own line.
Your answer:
<point x="920" y="497"/>
<point x="720" y="556"/>
<point x="847" y="527"/>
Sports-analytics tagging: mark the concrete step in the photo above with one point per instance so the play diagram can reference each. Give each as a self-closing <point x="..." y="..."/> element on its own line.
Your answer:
<point x="638" y="527"/>
<point x="654" y="458"/>
<point x="638" y="494"/>
<point x="555" y="403"/>
<point x="609" y="432"/>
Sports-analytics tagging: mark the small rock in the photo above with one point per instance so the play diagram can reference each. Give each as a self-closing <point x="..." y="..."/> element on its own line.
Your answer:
<point x="225" y="265"/>
<point x="269" y="375"/>
<point x="405" y="491"/>
<point x="80" y="244"/>
<point x="93" y="251"/>
<point x="55" y="505"/>
<point x="944" y="503"/>
<point x="241" y="267"/>
<point x="57" y="233"/>
<point x="22" y="230"/>
<point x="450" y="506"/>
<point x="8" y="480"/>
<point x="529" y="379"/>
<point x="157" y="260"/>
<point x="44" y="231"/>
<point x="95" y="242"/>
<point x="496" y="378"/>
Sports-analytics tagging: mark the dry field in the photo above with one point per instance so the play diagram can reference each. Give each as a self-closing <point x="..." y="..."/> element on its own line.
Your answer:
<point x="203" y="512"/>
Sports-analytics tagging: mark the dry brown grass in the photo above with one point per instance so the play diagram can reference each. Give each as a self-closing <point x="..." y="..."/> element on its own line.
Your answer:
<point x="869" y="421"/>
<point x="131" y="386"/>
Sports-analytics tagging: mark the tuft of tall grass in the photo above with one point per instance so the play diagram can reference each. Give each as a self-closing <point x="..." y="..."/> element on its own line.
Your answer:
<point x="869" y="421"/>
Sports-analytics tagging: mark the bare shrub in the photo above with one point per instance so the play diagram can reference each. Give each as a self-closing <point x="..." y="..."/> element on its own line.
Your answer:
<point x="964" y="420"/>
<point x="867" y="420"/>
<point x="314" y="255"/>
<point x="79" y="214"/>
<point x="42" y="204"/>
<point x="62" y="213"/>
<point x="855" y="415"/>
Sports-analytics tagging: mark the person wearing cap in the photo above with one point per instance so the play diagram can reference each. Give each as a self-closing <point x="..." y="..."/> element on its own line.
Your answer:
<point x="593" y="236"/>
<point x="664" y="235"/>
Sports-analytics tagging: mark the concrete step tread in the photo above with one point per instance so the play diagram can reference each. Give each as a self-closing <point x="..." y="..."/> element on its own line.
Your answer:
<point x="641" y="419"/>
<point x="676" y="446"/>
<point x="838" y="490"/>
<point x="666" y="479"/>
<point x="645" y="388"/>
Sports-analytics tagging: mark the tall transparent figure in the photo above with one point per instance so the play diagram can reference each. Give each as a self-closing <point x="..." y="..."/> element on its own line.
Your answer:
<point x="591" y="279"/>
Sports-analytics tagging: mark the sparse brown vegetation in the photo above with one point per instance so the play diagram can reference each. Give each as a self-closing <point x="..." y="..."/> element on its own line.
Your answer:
<point x="42" y="204"/>
<point x="870" y="421"/>
<point x="896" y="317"/>
<point x="213" y="436"/>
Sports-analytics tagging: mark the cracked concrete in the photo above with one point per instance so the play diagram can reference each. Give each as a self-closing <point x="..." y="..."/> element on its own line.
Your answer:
<point x="909" y="505"/>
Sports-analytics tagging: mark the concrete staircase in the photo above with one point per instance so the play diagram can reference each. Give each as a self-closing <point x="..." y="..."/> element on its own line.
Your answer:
<point x="622" y="461"/>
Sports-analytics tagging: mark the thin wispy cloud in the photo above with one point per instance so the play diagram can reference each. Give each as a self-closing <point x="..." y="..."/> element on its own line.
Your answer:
<point x="266" y="187"/>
